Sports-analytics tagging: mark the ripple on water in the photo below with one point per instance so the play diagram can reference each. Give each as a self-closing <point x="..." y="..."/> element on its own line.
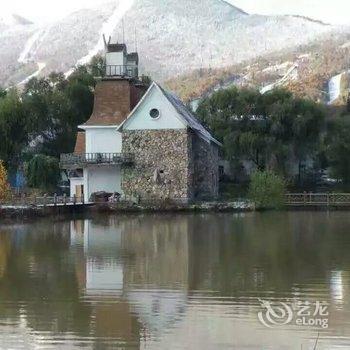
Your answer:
<point x="173" y="282"/>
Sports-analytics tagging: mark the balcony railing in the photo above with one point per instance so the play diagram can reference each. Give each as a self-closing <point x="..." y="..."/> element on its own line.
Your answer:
<point x="115" y="70"/>
<point x="72" y="160"/>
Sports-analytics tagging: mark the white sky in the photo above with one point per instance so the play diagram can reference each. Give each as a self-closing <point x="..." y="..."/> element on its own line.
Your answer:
<point x="39" y="10"/>
<point x="333" y="11"/>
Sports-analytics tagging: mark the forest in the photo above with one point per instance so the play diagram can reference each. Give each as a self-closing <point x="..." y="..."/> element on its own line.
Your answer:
<point x="270" y="131"/>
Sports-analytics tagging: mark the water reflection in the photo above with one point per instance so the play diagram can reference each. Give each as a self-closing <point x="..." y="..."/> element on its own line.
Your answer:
<point x="97" y="246"/>
<point x="172" y="282"/>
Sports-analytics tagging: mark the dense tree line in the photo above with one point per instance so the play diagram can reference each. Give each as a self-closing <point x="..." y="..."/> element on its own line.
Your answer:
<point x="42" y="117"/>
<point x="274" y="129"/>
<point x="268" y="130"/>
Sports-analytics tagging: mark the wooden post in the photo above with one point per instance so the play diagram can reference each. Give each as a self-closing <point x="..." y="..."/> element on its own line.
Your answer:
<point x="55" y="199"/>
<point x="305" y="198"/>
<point x="328" y="200"/>
<point x="64" y="199"/>
<point x="75" y="199"/>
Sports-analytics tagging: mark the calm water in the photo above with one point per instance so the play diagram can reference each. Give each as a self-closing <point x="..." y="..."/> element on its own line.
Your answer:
<point x="174" y="282"/>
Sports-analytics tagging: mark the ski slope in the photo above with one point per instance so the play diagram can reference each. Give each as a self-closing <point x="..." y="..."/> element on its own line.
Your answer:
<point x="107" y="29"/>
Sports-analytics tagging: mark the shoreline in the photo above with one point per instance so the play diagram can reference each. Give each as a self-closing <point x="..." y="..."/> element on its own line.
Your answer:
<point x="20" y="213"/>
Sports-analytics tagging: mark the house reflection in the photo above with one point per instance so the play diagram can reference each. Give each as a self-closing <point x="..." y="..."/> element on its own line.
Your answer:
<point x="141" y="261"/>
<point x="100" y="272"/>
<point x="100" y="276"/>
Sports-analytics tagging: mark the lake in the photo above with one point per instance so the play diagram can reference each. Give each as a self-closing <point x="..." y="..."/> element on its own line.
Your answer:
<point x="274" y="280"/>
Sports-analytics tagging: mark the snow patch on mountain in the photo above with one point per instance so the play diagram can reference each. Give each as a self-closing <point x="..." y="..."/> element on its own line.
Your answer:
<point x="11" y="19"/>
<point x="277" y="67"/>
<point x="29" y="49"/>
<point x="41" y="66"/>
<point x="339" y="87"/>
<point x="292" y="74"/>
<point x="345" y="45"/>
<point x="334" y="87"/>
<point x="107" y="29"/>
<point x="173" y="37"/>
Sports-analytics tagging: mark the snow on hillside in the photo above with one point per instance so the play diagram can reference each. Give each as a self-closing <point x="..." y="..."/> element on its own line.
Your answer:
<point x="338" y="88"/>
<point x="31" y="46"/>
<point x="321" y="73"/>
<point x="107" y="29"/>
<point x="41" y="66"/>
<point x="334" y="88"/>
<point x="292" y="74"/>
<point x="173" y="38"/>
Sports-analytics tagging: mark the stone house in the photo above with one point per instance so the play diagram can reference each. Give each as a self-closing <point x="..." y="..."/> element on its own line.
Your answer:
<point x="141" y="141"/>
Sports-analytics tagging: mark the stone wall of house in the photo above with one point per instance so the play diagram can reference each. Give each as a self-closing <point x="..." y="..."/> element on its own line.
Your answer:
<point x="206" y="169"/>
<point x="162" y="161"/>
<point x="170" y="164"/>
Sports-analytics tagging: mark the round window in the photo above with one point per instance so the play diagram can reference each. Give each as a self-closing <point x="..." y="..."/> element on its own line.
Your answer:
<point x="154" y="113"/>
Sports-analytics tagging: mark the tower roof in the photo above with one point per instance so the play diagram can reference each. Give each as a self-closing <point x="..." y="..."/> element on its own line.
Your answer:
<point x="116" y="47"/>
<point x="114" y="99"/>
<point x="133" y="56"/>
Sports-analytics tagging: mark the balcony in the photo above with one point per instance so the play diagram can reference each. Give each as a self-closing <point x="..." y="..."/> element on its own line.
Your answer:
<point x="121" y="71"/>
<point x="76" y="161"/>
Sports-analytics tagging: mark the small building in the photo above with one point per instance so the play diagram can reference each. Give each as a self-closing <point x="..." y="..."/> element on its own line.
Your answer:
<point x="141" y="141"/>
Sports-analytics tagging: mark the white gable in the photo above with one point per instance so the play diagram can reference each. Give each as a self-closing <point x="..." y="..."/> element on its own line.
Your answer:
<point x="140" y="118"/>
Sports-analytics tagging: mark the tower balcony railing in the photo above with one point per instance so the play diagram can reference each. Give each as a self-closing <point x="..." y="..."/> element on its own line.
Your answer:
<point x="121" y="71"/>
<point x="76" y="161"/>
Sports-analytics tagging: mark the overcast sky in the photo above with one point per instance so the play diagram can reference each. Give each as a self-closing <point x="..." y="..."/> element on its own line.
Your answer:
<point x="334" y="11"/>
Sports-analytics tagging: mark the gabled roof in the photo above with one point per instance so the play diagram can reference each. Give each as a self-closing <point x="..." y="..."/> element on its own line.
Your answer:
<point x="187" y="117"/>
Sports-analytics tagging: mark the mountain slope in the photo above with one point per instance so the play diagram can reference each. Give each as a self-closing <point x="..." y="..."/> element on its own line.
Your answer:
<point x="173" y="37"/>
<point x="319" y="70"/>
<point x="210" y="34"/>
